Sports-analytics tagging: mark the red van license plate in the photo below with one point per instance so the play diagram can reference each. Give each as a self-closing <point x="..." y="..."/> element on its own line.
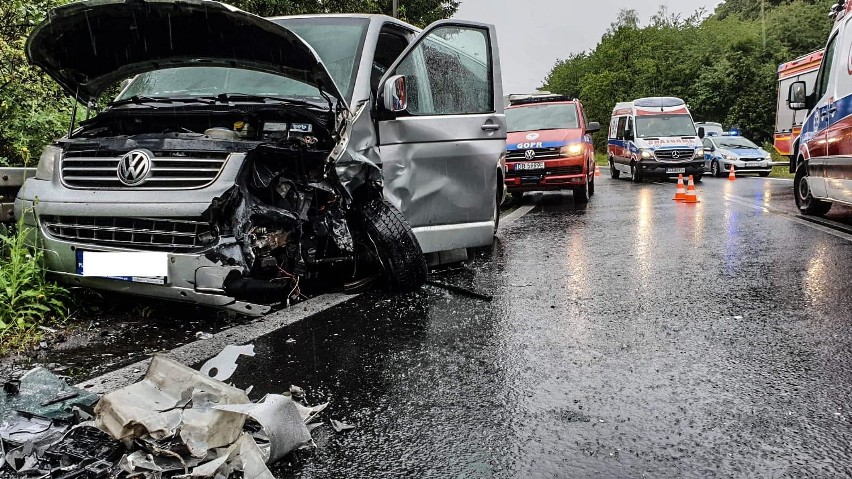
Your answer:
<point x="538" y="165"/>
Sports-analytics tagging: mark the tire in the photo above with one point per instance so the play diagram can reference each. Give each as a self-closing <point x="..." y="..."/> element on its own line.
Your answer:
<point x="518" y="198"/>
<point x="581" y="193"/>
<point x="592" y="186"/>
<point x="697" y="178"/>
<point x="635" y="175"/>
<point x="763" y="174"/>
<point x="715" y="171"/>
<point x="613" y="172"/>
<point x="497" y="212"/>
<point x="397" y="247"/>
<point x="807" y="204"/>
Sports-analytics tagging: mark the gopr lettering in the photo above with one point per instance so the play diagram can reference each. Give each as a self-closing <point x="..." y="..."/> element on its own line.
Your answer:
<point x="526" y="146"/>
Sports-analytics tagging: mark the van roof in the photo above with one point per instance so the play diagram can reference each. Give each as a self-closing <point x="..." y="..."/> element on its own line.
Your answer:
<point x="668" y="104"/>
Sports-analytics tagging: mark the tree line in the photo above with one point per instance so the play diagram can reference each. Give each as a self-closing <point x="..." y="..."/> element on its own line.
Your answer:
<point x="34" y="110"/>
<point x="723" y="63"/>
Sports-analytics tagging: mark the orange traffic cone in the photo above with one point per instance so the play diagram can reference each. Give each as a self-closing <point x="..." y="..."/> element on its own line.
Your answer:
<point x="732" y="176"/>
<point x="597" y="170"/>
<point x="680" y="193"/>
<point x="691" y="195"/>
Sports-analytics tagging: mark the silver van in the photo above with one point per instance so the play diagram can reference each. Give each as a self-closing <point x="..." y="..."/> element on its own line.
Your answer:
<point x="249" y="160"/>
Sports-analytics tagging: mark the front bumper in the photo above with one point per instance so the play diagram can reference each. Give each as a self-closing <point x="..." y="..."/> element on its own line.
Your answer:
<point x="668" y="169"/>
<point x="192" y="277"/>
<point x="558" y="174"/>
<point x="746" y="167"/>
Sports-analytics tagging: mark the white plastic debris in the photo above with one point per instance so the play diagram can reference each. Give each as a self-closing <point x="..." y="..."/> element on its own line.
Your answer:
<point x="224" y="364"/>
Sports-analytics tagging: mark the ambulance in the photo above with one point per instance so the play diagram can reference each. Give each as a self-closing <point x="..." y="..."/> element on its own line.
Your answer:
<point x="788" y="122"/>
<point x="654" y="137"/>
<point x="823" y="150"/>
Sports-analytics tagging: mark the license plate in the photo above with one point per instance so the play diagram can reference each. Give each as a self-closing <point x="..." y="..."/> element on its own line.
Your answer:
<point x="675" y="170"/>
<point x="538" y="165"/>
<point x="155" y="262"/>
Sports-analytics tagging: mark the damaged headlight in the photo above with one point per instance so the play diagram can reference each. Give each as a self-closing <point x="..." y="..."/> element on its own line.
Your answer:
<point x="47" y="162"/>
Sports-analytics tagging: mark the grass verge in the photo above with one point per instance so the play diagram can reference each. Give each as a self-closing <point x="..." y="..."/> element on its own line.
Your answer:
<point x="28" y="300"/>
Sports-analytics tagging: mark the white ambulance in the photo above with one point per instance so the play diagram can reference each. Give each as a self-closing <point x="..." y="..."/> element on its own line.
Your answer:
<point x="654" y="137"/>
<point x="823" y="151"/>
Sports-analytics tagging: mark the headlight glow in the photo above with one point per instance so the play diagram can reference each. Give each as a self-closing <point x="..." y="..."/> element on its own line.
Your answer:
<point x="573" y="149"/>
<point x="47" y="162"/>
<point x="646" y="153"/>
<point x="699" y="153"/>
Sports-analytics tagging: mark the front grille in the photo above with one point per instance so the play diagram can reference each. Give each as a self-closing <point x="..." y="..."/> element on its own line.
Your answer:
<point x="137" y="233"/>
<point x="552" y="171"/>
<point x="675" y="154"/>
<point x="540" y="154"/>
<point x="169" y="169"/>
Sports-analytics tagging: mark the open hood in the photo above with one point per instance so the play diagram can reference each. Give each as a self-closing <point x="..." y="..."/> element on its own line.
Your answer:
<point x="87" y="46"/>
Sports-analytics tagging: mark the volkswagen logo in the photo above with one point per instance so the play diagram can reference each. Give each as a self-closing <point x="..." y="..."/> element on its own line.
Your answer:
<point x="134" y="167"/>
<point x="529" y="154"/>
<point x="675" y="154"/>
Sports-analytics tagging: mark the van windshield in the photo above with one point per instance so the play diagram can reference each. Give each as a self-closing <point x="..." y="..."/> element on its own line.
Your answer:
<point x="542" y="117"/>
<point x="656" y="126"/>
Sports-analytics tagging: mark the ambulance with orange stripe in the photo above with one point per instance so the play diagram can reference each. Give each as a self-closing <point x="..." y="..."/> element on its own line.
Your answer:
<point x="788" y="122"/>
<point x="823" y="150"/>
<point x="654" y="137"/>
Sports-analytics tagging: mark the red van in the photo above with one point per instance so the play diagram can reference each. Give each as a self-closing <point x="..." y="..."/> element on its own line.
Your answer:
<point x="549" y="146"/>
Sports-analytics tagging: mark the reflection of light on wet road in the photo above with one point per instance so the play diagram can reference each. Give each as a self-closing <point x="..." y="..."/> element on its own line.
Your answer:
<point x="732" y="223"/>
<point x="644" y="236"/>
<point x="816" y="275"/>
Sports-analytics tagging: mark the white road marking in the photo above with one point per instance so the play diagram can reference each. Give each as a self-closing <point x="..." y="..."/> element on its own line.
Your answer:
<point x="515" y="215"/>
<point x="787" y="216"/>
<point x="202" y="350"/>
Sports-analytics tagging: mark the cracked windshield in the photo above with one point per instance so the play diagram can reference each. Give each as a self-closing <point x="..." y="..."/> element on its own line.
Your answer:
<point x="277" y="239"/>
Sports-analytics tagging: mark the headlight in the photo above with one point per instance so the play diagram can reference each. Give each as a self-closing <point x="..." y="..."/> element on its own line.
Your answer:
<point x="571" y="150"/>
<point x="46" y="163"/>
<point x="729" y="157"/>
<point x="699" y="153"/>
<point x="646" y="153"/>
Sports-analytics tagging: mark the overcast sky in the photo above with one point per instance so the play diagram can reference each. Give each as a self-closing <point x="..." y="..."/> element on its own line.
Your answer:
<point x="533" y="34"/>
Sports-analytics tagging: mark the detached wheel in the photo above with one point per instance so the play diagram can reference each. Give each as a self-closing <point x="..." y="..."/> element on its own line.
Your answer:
<point x="397" y="247"/>
<point x="613" y="172"/>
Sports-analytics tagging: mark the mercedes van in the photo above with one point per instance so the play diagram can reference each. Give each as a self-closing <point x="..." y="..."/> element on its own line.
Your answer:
<point x="654" y="137"/>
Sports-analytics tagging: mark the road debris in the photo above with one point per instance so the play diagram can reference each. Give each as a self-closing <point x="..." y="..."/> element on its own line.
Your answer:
<point x="340" y="426"/>
<point x="460" y="290"/>
<point x="175" y="422"/>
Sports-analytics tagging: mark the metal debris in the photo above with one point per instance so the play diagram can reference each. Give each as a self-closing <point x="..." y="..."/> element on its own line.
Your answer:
<point x="175" y="423"/>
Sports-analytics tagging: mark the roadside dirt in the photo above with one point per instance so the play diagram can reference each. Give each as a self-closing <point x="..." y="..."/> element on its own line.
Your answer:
<point x="107" y="331"/>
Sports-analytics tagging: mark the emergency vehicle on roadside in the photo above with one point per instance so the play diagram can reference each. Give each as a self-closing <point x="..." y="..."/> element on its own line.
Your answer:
<point x="654" y="137"/>
<point x="823" y="151"/>
<point x="788" y="122"/>
<point x="549" y="146"/>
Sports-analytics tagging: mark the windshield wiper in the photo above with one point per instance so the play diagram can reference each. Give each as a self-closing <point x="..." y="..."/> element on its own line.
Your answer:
<point x="139" y="99"/>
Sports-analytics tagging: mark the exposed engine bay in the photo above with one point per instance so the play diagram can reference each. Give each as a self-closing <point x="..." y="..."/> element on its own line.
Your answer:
<point x="288" y="227"/>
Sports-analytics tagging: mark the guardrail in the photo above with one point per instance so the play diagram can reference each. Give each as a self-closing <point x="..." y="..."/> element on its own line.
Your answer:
<point x="11" y="180"/>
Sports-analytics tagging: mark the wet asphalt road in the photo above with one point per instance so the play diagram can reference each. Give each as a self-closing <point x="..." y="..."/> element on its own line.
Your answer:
<point x="633" y="337"/>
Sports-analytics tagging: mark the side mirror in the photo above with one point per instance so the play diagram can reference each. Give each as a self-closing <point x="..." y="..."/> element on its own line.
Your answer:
<point x="797" y="97"/>
<point x="395" y="94"/>
<point x="701" y="133"/>
<point x="593" y="127"/>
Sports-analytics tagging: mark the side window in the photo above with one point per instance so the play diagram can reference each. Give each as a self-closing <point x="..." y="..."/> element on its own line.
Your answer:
<point x="389" y="46"/>
<point x="449" y="72"/>
<point x="613" y="127"/>
<point x="630" y="125"/>
<point x="826" y="70"/>
<point x="621" y="124"/>
<point x="708" y="143"/>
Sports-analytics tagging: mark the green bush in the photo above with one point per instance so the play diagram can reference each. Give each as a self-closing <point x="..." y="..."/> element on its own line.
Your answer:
<point x="27" y="298"/>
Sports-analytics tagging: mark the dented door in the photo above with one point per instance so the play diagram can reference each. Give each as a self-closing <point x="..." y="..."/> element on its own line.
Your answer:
<point x="441" y="158"/>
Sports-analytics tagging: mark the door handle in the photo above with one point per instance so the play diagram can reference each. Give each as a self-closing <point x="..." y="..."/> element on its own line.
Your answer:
<point x="490" y="127"/>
